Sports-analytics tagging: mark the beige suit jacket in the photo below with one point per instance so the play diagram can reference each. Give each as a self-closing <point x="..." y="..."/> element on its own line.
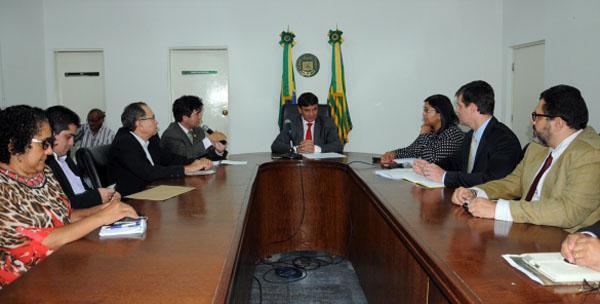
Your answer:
<point x="570" y="195"/>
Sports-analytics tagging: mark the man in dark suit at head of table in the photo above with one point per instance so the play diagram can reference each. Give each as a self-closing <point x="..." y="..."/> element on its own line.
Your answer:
<point x="311" y="133"/>
<point x="490" y="149"/>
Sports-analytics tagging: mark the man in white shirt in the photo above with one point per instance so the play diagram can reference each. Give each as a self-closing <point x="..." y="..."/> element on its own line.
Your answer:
<point x="310" y="133"/>
<point x="94" y="132"/>
<point x="64" y="123"/>
<point x="556" y="183"/>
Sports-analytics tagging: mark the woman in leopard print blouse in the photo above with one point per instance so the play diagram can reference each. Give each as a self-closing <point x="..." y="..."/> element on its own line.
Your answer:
<point x="439" y="137"/>
<point x="35" y="214"/>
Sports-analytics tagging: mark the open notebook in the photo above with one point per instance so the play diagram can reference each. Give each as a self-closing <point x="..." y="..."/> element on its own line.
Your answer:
<point x="409" y="175"/>
<point x="550" y="268"/>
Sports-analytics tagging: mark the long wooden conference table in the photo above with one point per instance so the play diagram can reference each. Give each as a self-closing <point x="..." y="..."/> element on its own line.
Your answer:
<point x="407" y="244"/>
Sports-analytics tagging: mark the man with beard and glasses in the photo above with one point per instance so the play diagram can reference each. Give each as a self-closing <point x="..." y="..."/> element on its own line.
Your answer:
<point x="556" y="183"/>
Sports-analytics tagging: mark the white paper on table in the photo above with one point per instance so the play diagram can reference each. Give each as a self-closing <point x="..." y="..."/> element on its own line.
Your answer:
<point x="233" y="162"/>
<point x="323" y="155"/>
<point x="409" y="175"/>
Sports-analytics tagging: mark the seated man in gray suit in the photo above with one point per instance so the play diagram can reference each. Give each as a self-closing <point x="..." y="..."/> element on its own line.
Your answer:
<point x="185" y="137"/>
<point x="310" y="133"/>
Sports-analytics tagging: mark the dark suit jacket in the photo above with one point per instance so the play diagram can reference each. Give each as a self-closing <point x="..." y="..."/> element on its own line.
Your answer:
<point x="176" y="141"/>
<point x="86" y="199"/>
<point x="132" y="171"/>
<point x="324" y="135"/>
<point x="497" y="155"/>
<point x="595" y="229"/>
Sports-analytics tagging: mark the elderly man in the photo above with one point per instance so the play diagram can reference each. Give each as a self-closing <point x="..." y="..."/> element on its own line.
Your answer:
<point x="556" y="183"/>
<point x="94" y="132"/>
<point x="136" y="158"/>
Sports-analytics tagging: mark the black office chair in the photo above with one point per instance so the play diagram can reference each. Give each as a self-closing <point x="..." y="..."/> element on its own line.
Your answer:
<point x="291" y="110"/>
<point x="94" y="165"/>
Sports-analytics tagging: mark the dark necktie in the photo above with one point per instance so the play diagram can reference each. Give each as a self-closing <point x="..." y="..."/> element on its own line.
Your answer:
<point x="536" y="180"/>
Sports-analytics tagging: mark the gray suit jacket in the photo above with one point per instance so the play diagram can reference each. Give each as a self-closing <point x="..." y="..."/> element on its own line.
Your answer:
<point x="325" y="135"/>
<point x="176" y="141"/>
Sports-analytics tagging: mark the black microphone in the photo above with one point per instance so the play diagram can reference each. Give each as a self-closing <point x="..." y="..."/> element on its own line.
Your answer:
<point x="210" y="131"/>
<point x="287" y="124"/>
<point x="288" y="128"/>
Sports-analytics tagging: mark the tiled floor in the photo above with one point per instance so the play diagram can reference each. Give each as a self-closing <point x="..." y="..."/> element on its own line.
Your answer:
<point x="326" y="280"/>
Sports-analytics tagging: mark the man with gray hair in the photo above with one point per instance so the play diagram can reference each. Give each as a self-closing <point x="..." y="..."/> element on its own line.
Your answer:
<point x="136" y="158"/>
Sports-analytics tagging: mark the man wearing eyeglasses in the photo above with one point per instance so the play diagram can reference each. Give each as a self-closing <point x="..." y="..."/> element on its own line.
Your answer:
<point x="583" y="248"/>
<point x="136" y="158"/>
<point x="64" y="123"/>
<point x="557" y="182"/>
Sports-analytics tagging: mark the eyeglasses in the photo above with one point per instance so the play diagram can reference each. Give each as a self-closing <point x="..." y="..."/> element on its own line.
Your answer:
<point x="587" y="286"/>
<point x="534" y="116"/>
<point x="153" y="117"/>
<point x="46" y="143"/>
<point x="429" y="110"/>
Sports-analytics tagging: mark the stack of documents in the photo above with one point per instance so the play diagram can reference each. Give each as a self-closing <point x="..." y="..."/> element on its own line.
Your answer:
<point x="125" y="228"/>
<point x="550" y="268"/>
<point x="323" y="155"/>
<point x="409" y="175"/>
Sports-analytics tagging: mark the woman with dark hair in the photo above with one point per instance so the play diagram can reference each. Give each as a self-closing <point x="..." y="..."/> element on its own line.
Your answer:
<point x="440" y="137"/>
<point x="35" y="215"/>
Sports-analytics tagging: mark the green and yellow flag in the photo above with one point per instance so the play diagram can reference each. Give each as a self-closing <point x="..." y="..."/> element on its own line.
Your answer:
<point x="336" y="98"/>
<point x="288" y="84"/>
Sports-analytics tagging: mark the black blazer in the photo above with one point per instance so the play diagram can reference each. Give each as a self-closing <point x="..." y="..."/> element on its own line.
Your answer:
<point x="498" y="153"/>
<point x="324" y="134"/>
<point x="176" y="141"/>
<point x="132" y="171"/>
<point x="86" y="199"/>
<point x="595" y="229"/>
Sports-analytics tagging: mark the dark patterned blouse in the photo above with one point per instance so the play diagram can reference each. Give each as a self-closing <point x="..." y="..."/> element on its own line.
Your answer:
<point x="434" y="148"/>
<point x="30" y="209"/>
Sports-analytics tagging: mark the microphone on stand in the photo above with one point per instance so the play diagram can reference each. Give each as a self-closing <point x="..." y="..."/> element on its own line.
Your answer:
<point x="287" y="124"/>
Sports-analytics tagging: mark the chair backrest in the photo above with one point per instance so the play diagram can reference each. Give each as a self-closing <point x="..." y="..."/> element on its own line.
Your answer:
<point x="94" y="165"/>
<point x="291" y="110"/>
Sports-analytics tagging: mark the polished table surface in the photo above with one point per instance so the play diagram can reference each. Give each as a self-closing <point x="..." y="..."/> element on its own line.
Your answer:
<point x="193" y="244"/>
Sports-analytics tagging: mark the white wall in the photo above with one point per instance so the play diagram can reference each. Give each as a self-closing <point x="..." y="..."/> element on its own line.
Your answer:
<point x="396" y="53"/>
<point x="22" y="53"/>
<point x="571" y="31"/>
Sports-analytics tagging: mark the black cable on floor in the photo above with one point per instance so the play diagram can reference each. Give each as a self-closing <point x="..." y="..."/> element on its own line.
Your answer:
<point x="259" y="289"/>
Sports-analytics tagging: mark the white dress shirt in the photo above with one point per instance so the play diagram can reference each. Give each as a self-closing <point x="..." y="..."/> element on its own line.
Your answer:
<point x="144" y="145"/>
<point x="74" y="180"/>
<point x="503" y="206"/>
<point x="206" y="142"/>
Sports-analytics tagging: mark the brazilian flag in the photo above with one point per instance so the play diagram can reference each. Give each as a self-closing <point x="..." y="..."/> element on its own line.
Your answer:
<point x="288" y="84"/>
<point x="336" y="98"/>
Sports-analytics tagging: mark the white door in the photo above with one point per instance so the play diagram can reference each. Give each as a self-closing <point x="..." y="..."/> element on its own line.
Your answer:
<point x="204" y="73"/>
<point x="528" y="83"/>
<point x="80" y="80"/>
